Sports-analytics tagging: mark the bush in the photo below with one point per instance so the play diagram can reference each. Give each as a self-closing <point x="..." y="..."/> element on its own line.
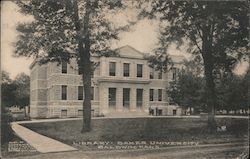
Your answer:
<point x="6" y="131"/>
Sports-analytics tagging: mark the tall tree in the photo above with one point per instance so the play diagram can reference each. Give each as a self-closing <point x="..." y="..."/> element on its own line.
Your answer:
<point x="22" y="92"/>
<point x="8" y="91"/>
<point x="65" y="29"/>
<point x="15" y="92"/>
<point x="7" y="100"/>
<point x="232" y="92"/>
<point x="188" y="89"/>
<point x="216" y="31"/>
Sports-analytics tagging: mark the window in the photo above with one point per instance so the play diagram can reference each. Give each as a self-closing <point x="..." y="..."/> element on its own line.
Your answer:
<point x="171" y="101"/>
<point x="174" y="112"/>
<point x="64" y="113"/>
<point x="92" y="112"/>
<point x="159" y="112"/>
<point x="139" y="70"/>
<point x="79" y="71"/>
<point x="91" y="93"/>
<point x="112" y="68"/>
<point x="80" y="113"/>
<point x="80" y="92"/>
<point x="174" y="71"/>
<point x="139" y="97"/>
<point x="126" y="69"/>
<point x="92" y="74"/>
<point x="64" y="67"/>
<point x="151" y="73"/>
<point x="160" y="75"/>
<point x="159" y="94"/>
<point x="64" y="92"/>
<point x="92" y="71"/>
<point x="126" y="97"/>
<point x="112" y="97"/>
<point x="151" y="95"/>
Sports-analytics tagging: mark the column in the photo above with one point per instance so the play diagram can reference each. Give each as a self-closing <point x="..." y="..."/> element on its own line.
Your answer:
<point x="103" y="100"/>
<point x="165" y="76"/>
<point x="145" y="70"/>
<point x="96" y="93"/>
<point x="119" y="99"/>
<point x="132" y="99"/>
<point x="155" y="94"/>
<point x="103" y="66"/>
<point x="119" y="68"/>
<point x="156" y="74"/>
<point x="133" y="69"/>
<point x="145" y="105"/>
<point x="164" y="95"/>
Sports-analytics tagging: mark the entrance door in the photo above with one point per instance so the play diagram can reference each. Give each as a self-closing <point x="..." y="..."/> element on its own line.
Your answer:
<point x="139" y="97"/>
<point x="112" y="98"/>
<point x="126" y="98"/>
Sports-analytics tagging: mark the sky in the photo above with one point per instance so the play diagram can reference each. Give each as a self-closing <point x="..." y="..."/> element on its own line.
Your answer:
<point x="142" y="36"/>
<point x="9" y="19"/>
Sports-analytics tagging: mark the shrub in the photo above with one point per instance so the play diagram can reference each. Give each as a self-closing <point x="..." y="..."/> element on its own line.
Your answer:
<point x="6" y="131"/>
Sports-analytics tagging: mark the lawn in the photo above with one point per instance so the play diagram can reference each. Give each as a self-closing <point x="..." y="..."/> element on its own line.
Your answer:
<point x="143" y="129"/>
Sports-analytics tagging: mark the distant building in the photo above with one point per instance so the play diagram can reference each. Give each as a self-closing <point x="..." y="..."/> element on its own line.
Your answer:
<point x="124" y="83"/>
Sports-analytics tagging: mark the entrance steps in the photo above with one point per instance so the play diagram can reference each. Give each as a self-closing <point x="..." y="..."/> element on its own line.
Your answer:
<point x="126" y="114"/>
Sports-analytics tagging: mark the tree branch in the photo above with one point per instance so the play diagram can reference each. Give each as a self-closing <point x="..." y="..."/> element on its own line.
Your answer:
<point x="194" y="41"/>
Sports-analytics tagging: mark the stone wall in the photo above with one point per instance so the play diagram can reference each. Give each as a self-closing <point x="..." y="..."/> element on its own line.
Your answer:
<point x="38" y="91"/>
<point x="47" y="81"/>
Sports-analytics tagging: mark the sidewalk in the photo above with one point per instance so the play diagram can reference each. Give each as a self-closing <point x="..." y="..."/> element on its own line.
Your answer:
<point x="41" y="143"/>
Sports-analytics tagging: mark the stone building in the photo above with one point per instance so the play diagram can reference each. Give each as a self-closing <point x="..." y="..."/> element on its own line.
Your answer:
<point x="120" y="84"/>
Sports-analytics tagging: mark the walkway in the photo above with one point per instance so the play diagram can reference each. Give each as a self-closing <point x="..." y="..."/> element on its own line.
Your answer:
<point x="41" y="143"/>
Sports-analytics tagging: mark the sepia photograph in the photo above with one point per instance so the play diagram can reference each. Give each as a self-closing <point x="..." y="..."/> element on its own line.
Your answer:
<point x="125" y="79"/>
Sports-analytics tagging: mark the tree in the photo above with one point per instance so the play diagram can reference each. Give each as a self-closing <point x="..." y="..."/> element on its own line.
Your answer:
<point x="7" y="100"/>
<point x="65" y="29"/>
<point x="15" y="92"/>
<point x="246" y="89"/>
<point x="216" y="31"/>
<point x="8" y="88"/>
<point x="188" y="89"/>
<point x="22" y="92"/>
<point x="5" y="77"/>
<point x="232" y="91"/>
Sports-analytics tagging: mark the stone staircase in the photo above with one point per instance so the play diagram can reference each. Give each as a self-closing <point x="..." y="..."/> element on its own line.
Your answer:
<point x="126" y="114"/>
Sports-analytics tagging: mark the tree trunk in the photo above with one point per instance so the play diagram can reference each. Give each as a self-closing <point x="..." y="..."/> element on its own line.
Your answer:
<point x="86" y="76"/>
<point x="86" y="70"/>
<point x="84" y="60"/>
<point x="210" y="85"/>
<point x="210" y="95"/>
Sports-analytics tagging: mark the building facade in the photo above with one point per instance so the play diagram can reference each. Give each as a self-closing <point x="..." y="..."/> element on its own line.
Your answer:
<point x="120" y="84"/>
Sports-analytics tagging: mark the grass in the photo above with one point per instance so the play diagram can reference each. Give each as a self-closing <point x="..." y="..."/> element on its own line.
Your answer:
<point x="143" y="129"/>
